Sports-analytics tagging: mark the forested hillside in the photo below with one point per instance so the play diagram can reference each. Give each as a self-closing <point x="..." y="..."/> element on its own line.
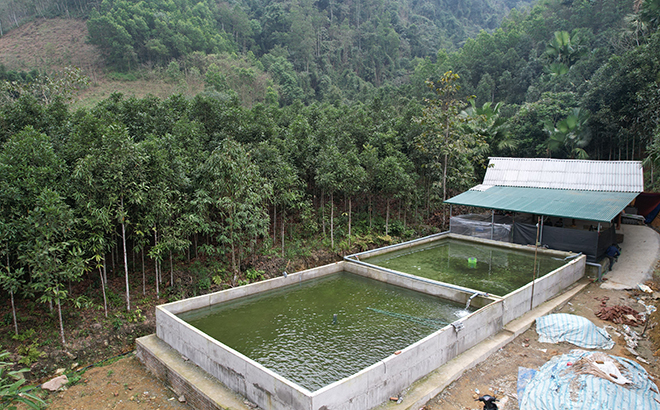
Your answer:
<point x="314" y="50"/>
<point x="330" y="125"/>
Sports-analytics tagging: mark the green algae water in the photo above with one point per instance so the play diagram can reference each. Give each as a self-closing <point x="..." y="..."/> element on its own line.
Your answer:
<point x="491" y="269"/>
<point x="293" y="330"/>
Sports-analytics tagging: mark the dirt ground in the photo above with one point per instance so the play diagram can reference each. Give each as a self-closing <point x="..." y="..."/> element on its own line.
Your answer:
<point x="124" y="384"/>
<point x="498" y="374"/>
<point x="51" y="44"/>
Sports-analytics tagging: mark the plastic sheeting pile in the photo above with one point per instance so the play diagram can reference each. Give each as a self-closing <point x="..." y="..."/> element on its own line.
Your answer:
<point x="562" y="327"/>
<point x="584" y="380"/>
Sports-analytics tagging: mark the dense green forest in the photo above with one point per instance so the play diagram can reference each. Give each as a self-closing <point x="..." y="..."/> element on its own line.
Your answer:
<point x="375" y="112"/>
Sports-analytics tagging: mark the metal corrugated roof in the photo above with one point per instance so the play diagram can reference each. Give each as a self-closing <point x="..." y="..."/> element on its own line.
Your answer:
<point x="583" y="175"/>
<point x="579" y="204"/>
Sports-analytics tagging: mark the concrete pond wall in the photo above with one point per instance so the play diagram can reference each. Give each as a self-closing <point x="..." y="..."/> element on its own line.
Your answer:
<point x="376" y="383"/>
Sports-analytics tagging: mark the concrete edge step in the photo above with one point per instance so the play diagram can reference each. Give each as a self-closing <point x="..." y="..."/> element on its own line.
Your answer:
<point x="197" y="380"/>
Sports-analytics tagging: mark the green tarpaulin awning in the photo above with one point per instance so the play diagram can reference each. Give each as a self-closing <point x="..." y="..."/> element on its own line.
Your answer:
<point x="589" y="205"/>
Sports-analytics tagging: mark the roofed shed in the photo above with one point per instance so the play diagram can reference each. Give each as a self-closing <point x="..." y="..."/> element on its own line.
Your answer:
<point x="582" y="197"/>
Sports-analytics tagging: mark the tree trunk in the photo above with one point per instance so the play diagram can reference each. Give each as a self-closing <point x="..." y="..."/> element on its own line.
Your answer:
<point x="13" y="311"/>
<point x="144" y="278"/>
<point x="323" y="213"/>
<point x="404" y="216"/>
<point x="371" y="222"/>
<point x="156" y="264"/>
<point x="233" y="249"/>
<point x="105" y="301"/>
<point x="123" y="239"/>
<point x="350" y="209"/>
<point x="105" y="271"/>
<point x="444" y="180"/>
<point x="59" y="312"/>
<point x="332" y="221"/>
<point x="387" y="218"/>
<point x="274" y="225"/>
<point x="283" y="223"/>
<point x="11" y="292"/>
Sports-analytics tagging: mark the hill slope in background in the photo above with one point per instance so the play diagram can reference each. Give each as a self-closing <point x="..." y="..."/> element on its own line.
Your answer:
<point x="50" y="45"/>
<point x="314" y="50"/>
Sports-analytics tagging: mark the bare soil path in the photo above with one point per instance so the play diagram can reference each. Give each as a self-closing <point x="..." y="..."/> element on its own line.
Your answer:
<point x="122" y="385"/>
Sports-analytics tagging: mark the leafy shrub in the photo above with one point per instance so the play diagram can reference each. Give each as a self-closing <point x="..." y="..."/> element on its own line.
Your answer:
<point x="254" y="275"/>
<point x="204" y="284"/>
<point x="29" y="354"/>
<point x="12" y="390"/>
<point x="134" y="316"/>
<point x="29" y="334"/>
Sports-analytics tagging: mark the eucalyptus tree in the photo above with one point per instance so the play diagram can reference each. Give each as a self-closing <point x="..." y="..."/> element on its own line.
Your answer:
<point x="332" y="176"/>
<point x="233" y="195"/>
<point x="28" y="163"/>
<point x="392" y="181"/>
<point x="443" y="138"/>
<point x="369" y="161"/>
<point x="10" y="276"/>
<point x="287" y="186"/>
<point x="168" y="171"/>
<point x="94" y="223"/>
<point x="111" y="176"/>
<point x="52" y="255"/>
<point x="354" y="178"/>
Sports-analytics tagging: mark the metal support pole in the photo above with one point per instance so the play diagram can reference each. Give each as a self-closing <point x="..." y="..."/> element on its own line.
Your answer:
<point x="540" y="238"/>
<point x="450" y="210"/>
<point x="536" y="251"/>
<point x="492" y="223"/>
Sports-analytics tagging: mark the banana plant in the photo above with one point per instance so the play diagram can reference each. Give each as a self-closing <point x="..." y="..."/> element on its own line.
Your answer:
<point x="570" y="135"/>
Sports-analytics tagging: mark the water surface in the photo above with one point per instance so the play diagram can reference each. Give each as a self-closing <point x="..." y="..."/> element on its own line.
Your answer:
<point x="497" y="270"/>
<point x="292" y="330"/>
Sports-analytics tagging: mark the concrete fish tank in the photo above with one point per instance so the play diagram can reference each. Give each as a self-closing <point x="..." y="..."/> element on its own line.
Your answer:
<point x="317" y="332"/>
<point x="483" y="266"/>
<point x="343" y="336"/>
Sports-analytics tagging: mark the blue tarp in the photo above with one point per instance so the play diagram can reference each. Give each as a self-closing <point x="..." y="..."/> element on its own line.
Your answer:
<point x="557" y="387"/>
<point x="562" y="327"/>
<point x="651" y="216"/>
<point x="525" y="375"/>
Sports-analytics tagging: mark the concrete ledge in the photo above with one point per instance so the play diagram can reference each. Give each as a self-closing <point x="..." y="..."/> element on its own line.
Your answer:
<point x="430" y="386"/>
<point x="201" y="390"/>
